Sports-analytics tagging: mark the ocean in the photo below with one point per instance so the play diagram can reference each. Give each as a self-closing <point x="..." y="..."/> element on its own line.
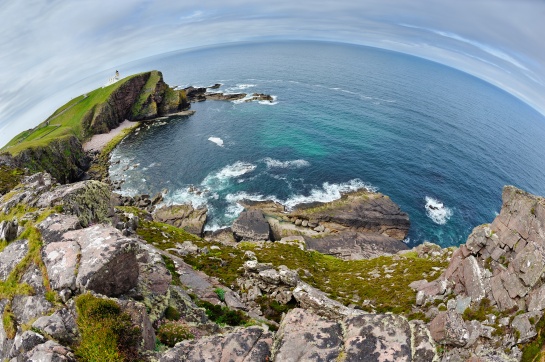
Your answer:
<point x="343" y="117"/>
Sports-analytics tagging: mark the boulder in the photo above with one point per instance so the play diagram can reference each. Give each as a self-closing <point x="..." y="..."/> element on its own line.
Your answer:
<point x="251" y="226"/>
<point x="27" y="308"/>
<point x="241" y="345"/>
<point x="139" y="317"/>
<point x="304" y="336"/>
<point x="183" y="216"/>
<point x="55" y="225"/>
<point x="449" y="328"/>
<point x="25" y="342"/>
<point x="89" y="201"/>
<point x="350" y="245"/>
<point x="98" y="258"/>
<point x="49" y="351"/>
<point x="378" y="336"/>
<point x="61" y="325"/>
<point x="11" y="256"/>
<point x="526" y="329"/>
<point x="8" y="230"/>
<point x="33" y="277"/>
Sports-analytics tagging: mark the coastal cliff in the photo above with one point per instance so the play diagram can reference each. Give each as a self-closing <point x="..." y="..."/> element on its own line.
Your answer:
<point x="89" y="275"/>
<point x="55" y="145"/>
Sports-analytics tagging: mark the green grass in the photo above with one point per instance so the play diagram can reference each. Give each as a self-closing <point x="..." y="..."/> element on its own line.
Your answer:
<point x="9" y="178"/>
<point x="534" y="351"/>
<point x="107" y="333"/>
<point x="141" y="105"/>
<point x="65" y="121"/>
<point x="8" y="319"/>
<point x="346" y="281"/>
<point x="171" y="333"/>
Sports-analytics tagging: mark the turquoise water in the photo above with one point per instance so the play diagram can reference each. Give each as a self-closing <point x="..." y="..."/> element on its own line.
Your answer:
<point x="344" y="117"/>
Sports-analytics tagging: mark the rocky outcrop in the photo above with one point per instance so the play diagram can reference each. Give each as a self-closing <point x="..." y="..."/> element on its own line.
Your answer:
<point x="251" y="226"/>
<point x="361" y="211"/>
<point x="11" y="256"/>
<point x="62" y="157"/>
<point x="183" y="216"/>
<point x="241" y="345"/>
<point x="97" y="258"/>
<point x="304" y="336"/>
<point x="354" y="245"/>
<point x="89" y="200"/>
<point x="8" y="230"/>
<point x="500" y="268"/>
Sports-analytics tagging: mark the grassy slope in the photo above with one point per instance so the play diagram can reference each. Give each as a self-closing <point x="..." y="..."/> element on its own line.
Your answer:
<point x="64" y="121"/>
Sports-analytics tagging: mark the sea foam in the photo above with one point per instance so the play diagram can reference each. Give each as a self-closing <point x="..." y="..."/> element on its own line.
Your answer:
<point x="436" y="211"/>
<point x="292" y="164"/>
<point x="216" y="140"/>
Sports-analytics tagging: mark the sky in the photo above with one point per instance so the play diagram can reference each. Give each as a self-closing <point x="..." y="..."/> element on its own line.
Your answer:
<point x="48" y="48"/>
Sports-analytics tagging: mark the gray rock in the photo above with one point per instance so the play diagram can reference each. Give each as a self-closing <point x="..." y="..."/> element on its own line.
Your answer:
<point x="473" y="279"/>
<point x="153" y="281"/>
<point x="424" y="348"/>
<point x="536" y="299"/>
<point x="50" y="352"/>
<point x="500" y="294"/>
<point x="55" y="225"/>
<point x="182" y="302"/>
<point x="27" y="308"/>
<point x="61" y="260"/>
<point x="183" y="216"/>
<point x="462" y="304"/>
<point x="241" y="345"/>
<point x="377" y="336"/>
<point x="61" y="325"/>
<point x="11" y="256"/>
<point x="311" y="298"/>
<point x="139" y="317"/>
<point x="108" y="260"/>
<point x="526" y="329"/>
<point x="288" y="276"/>
<point x="8" y="230"/>
<point x="513" y="285"/>
<point x="304" y="336"/>
<point x="25" y="342"/>
<point x="350" y="245"/>
<point x="528" y="264"/>
<point x="449" y="328"/>
<point x="5" y="342"/>
<point x="251" y="226"/>
<point x="88" y="200"/>
<point x="33" y="277"/>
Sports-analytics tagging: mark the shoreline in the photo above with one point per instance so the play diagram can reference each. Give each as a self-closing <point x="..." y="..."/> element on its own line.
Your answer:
<point x="99" y="141"/>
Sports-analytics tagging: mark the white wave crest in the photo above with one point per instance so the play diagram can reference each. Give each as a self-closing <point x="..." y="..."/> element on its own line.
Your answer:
<point x="272" y="163"/>
<point x="245" y="86"/>
<point x="220" y="180"/>
<point x="216" y="140"/>
<point x="269" y="103"/>
<point x="328" y="192"/>
<point x="436" y="211"/>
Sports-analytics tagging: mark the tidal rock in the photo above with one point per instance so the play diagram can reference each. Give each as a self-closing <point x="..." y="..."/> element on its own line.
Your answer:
<point x="362" y="211"/>
<point x="11" y="256"/>
<point x="241" y="345"/>
<point x="251" y="226"/>
<point x="354" y="245"/>
<point x="304" y="336"/>
<point x="88" y="200"/>
<point x="183" y="216"/>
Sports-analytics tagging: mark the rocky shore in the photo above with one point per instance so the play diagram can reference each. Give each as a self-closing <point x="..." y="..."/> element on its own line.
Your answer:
<point x="89" y="275"/>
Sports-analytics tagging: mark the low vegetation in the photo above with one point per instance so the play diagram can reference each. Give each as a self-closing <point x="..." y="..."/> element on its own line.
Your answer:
<point x="9" y="178"/>
<point x="534" y="351"/>
<point x="379" y="284"/>
<point x="171" y="333"/>
<point x="107" y="333"/>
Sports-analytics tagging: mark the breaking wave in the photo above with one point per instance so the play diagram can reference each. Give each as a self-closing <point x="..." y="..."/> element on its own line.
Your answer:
<point x="437" y="211"/>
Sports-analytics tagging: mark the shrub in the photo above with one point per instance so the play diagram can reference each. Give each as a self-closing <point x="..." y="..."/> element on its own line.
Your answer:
<point x="223" y="315"/>
<point x="172" y="314"/>
<point x="220" y="293"/>
<point x="107" y="333"/>
<point x="171" y="333"/>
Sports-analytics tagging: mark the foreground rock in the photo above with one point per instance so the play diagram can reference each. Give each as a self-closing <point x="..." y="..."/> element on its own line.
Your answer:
<point x="500" y="268"/>
<point x="183" y="216"/>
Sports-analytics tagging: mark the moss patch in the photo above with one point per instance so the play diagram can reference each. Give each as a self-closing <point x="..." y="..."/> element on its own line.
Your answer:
<point x="107" y="333"/>
<point x="171" y="333"/>
<point x="9" y="178"/>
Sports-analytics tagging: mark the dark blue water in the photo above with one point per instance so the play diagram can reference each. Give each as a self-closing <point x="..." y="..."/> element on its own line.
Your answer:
<point x="344" y="117"/>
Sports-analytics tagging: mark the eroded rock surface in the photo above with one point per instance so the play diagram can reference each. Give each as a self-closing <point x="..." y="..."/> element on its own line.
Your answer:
<point x="251" y="226"/>
<point x="183" y="216"/>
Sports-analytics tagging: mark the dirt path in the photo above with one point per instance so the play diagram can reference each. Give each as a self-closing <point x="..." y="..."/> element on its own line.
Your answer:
<point x="98" y="141"/>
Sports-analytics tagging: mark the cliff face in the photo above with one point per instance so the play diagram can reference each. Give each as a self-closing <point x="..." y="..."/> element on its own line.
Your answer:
<point x="59" y="152"/>
<point x="63" y="158"/>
